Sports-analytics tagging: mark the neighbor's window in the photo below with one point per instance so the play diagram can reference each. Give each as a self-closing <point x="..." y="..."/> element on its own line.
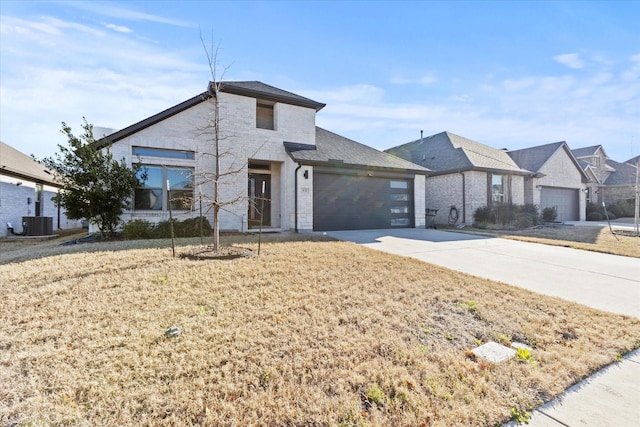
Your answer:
<point x="264" y="115"/>
<point x="152" y="194"/>
<point x="497" y="188"/>
<point x="167" y="154"/>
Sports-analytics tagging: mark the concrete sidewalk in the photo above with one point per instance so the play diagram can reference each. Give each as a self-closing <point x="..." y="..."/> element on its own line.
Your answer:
<point x="606" y="282"/>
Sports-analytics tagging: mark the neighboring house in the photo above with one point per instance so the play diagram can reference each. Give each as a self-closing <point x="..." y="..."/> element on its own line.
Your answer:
<point x="609" y="181"/>
<point x="558" y="180"/>
<point x="26" y="189"/>
<point x="464" y="174"/>
<point x="308" y="178"/>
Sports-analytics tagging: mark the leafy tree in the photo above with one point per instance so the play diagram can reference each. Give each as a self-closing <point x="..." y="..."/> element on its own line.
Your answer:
<point x="94" y="185"/>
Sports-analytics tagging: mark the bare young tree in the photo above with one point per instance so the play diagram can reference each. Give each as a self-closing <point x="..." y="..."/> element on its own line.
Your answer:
<point x="233" y="168"/>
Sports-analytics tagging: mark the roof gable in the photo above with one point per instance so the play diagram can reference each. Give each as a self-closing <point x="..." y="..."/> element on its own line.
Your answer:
<point x="333" y="149"/>
<point x="446" y="152"/>
<point x="588" y="151"/>
<point x="252" y="89"/>
<point x="534" y="158"/>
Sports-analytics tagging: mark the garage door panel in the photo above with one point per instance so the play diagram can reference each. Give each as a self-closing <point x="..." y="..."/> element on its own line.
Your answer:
<point x="345" y="202"/>
<point x="565" y="200"/>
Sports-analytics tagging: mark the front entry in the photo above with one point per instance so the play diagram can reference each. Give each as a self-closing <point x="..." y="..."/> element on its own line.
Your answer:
<point x="259" y="200"/>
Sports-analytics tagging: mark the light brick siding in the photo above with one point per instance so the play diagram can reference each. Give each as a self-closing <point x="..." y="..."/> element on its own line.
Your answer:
<point x="305" y="200"/>
<point x="14" y="205"/>
<point x="561" y="172"/>
<point x="240" y="142"/>
<point x="444" y="191"/>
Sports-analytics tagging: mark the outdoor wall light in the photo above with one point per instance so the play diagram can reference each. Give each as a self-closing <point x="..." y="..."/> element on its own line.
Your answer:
<point x="18" y="184"/>
<point x="306" y="174"/>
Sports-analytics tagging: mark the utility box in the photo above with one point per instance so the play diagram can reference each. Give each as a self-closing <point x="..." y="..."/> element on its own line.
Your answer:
<point x="37" y="225"/>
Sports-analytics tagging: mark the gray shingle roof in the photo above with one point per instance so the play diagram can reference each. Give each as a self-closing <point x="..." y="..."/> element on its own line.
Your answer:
<point x="264" y="91"/>
<point x="333" y="149"/>
<point x="446" y="152"/>
<point x="534" y="158"/>
<point x="19" y="165"/>
<point x="587" y="151"/>
<point x="625" y="174"/>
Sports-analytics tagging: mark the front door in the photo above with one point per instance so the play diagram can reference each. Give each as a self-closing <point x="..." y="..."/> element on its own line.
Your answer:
<point x="259" y="200"/>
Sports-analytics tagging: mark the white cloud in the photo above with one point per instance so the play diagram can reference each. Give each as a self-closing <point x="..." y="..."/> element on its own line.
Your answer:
<point x="118" y="12"/>
<point x="119" y="28"/>
<point x="571" y="60"/>
<point x="424" y="80"/>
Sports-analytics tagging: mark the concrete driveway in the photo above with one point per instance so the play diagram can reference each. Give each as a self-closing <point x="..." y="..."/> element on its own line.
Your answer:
<point x="611" y="397"/>
<point x="606" y="282"/>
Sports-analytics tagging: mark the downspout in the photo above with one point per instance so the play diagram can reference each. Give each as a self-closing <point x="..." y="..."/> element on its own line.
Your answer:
<point x="464" y="199"/>
<point x="295" y="197"/>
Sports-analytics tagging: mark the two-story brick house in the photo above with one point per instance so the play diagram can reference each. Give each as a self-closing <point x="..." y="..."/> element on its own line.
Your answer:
<point x="608" y="180"/>
<point x="270" y="149"/>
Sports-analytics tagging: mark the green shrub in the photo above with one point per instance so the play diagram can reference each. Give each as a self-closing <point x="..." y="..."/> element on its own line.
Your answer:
<point x="594" y="216"/>
<point x="137" y="229"/>
<point x="506" y="215"/>
<point x="141" y="229"/>
<point x="483" y="215"/>
<point x="549" y="214"/>
<point x="623" y="208"/>
<point x="190" y="227"/>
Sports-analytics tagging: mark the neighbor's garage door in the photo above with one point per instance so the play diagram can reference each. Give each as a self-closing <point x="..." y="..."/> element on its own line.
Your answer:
<point x="565" y="200"/>
<point x="347" y="202"/>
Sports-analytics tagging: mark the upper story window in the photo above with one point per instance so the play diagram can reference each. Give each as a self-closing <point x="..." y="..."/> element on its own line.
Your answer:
<point x="264" y="115"/>
<point x="163" y="153"/>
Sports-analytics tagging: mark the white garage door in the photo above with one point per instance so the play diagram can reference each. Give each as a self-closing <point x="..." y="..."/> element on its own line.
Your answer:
<point x="565" y="200"/>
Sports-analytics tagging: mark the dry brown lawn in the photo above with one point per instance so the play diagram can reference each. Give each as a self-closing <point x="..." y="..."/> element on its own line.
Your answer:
<point x="308" y="333"/>
<point x="589" y="238"/>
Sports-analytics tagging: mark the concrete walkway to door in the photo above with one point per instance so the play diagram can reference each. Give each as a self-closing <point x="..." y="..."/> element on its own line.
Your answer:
<point x="606" y="282"/>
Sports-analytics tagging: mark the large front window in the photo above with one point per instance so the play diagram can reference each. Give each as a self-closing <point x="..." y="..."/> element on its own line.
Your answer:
<point x="153" y="193"/>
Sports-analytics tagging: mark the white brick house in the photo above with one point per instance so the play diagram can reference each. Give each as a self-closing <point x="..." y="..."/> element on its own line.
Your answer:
<point x="268" y="137"/>
<point x="26" y="190"/>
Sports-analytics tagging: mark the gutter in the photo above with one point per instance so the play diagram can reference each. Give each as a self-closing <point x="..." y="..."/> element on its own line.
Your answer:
<point x="464" y="198"/>
<point x="295" y="197"/>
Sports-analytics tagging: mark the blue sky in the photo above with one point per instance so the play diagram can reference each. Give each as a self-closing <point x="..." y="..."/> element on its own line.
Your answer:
<point x="507" y="74"/>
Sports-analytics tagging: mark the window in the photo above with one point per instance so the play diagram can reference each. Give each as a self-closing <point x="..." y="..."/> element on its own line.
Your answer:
<point x="400" y="206"/>
<point x="153" y="192"/>
<point x="167" y="154"/>
<point x="497" y="188"/>
<point x="264" y="115"/>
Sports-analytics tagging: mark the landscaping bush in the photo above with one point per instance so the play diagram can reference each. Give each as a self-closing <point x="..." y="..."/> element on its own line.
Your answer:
<point x="623" y="208"/>
<point x="594" y="216"/>
<point x="137" y="229"/>
<point x="526" y="216"/>
<point x="506" y="216"/>
<point x="550" y="214"/>
<point x="483" y="215"/>
<point x="141" y="229"/>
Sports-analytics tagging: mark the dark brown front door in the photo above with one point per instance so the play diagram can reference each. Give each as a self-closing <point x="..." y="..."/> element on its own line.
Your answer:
<point x="259" y="200"/>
